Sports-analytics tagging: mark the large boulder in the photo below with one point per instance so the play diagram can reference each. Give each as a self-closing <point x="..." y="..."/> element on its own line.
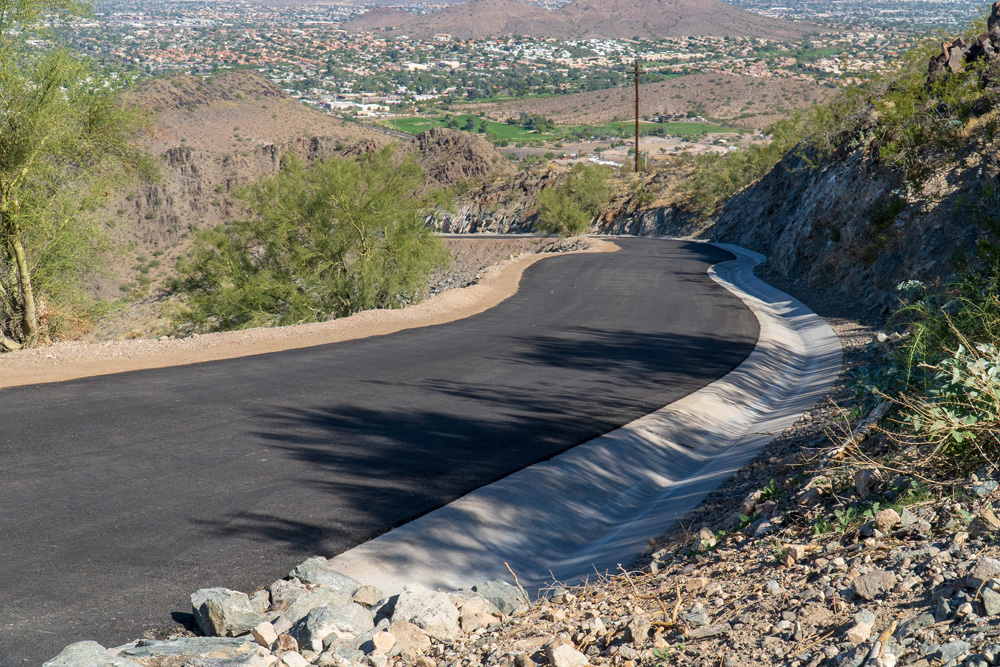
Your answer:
<point x="504" y="598"/>
<point x="224" y="613"/>
<point x="317" y="570"/>
<point x="431" y="611"/>
<point x="326" y="624"/>
<point x="88" y="654"/>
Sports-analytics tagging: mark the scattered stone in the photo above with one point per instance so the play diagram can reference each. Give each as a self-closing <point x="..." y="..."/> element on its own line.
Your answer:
<point x="773" y="588"/>
<point x="429" y="610"/>
<point x="317" y="570"/>
<point x="564" y="655"/>
<point x="368" y="596"/>
<point x="952" y="650"/>
<point x="88" y="654"/>
<point x="294" y="659"/>
<point x="709" y="631"/>
<point x="383" y="641"/>
<point x="189" y="647"/>
<point x="285" y="644"/>
<point x="412" y="640"/>
<point x="325" y="623"/>
<point x="985" y="489"/>
<point x="705" y="540"/>
<point x="984" y="569"/>
<point x="638" y="628"/>
<point x="864" y="623"/>
<point x="991" y="601"/>
<point x="222" y="612"/>
<point x="306" y="602"/>
<point x="870" y="586"/>
<point x="886" y="520"/>
<point x="985" y="524"/>
<point x="866" y="481"/>
<point x="264" y="634"/>
<point x="504" y="598"/>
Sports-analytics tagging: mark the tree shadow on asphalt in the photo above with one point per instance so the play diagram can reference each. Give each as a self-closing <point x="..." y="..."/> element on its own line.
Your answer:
<point x="380" y="467"/>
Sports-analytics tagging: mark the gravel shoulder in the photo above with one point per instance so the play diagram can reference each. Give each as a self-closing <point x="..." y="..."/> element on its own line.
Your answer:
<point x="484" y="273"/>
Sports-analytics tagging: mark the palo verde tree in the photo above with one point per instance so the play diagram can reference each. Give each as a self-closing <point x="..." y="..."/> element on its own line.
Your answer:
<point x="65" y="137"/>
<point x="321" y="241"/>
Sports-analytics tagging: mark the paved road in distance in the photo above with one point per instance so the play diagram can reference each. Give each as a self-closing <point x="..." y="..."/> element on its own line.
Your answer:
<point x="123" y="494"/>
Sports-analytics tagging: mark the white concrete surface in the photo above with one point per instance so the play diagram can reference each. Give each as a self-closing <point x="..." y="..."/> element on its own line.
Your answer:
<point x="595" y="506"/>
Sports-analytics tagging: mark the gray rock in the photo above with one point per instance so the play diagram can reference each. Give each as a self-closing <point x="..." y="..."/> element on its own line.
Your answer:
<point x="469" y="602"/>
<point x="368" y="596"/>
<point x="429" y="610"/>
<point x="759" y="528"/>
<point x="870" y="586"/>
<point x="638" y="629"/>
<point x="224" y="613"/>
<point x="245" y="660"/>
<point x="319" y="597"/>
<point x="853" y="657"/>
<point x="975" y="661"/>
<point x="710" y="631"/>
<point x="696" y="618"/>
<point x="991" y="653"/>
<point x="317" y="570"/>
<point x="907" y="628"/>
<point x="88" y="654"/>
<point x="504" y="598"/>
<point x="942" y="610"/>
<point x="326" y="623"/>
<point x="991" y="601"/>
<point x="886" y="519"/>
<point x="564" y="655"/>
<point x="864" y="623"/>
<point x="773" y="588"/>
<point x="211" y="647"/>
<point x="985" y="568"/>
<point x="986" y="488"/>
<point x="952" y="650"/>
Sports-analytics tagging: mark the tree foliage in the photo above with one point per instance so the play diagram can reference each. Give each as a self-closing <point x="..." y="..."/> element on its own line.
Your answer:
<point x="568" y="208"/>
<point x="322" y="241"/>
<point x="65" y="137"/>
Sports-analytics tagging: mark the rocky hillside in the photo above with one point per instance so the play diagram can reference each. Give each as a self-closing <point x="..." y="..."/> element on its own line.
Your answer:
<point x="214" y="136"/>
<point x="585" y="19"/>
<point x="904" y="190"/>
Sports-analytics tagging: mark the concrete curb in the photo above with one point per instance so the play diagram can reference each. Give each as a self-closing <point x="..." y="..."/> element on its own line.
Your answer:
<point x="597" y="505"/>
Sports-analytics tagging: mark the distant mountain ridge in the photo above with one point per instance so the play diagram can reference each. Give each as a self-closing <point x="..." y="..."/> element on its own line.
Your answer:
<point x="618" y="19"/>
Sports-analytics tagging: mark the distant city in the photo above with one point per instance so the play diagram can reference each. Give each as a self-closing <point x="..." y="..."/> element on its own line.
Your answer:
<point x="304" y="50"/>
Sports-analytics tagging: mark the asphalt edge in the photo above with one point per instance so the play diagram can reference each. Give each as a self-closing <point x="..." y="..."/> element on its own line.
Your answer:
<point x="595" y="506"/>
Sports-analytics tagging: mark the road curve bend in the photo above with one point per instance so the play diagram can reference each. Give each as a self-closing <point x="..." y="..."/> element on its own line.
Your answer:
<point x="596" y="506"/>
<point x="124" y="493"/>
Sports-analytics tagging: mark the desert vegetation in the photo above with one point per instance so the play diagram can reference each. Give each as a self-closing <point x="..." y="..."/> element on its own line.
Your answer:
<point x="321" y="241"/>
<point x="65" y="138"/>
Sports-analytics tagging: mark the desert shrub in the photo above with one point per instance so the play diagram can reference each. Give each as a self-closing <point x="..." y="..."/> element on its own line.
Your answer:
<point x="568" y="208"/>
<point x="322" y="241"/>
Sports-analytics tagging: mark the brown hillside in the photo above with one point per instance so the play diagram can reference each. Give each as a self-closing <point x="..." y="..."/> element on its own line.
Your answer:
<point x="380" y="17"/>
<point x="479" y="19"/>
<point x="593" y="18"/>
<point x="451" y="156"/>
<point x="741" y="101"/>
<point x="674" y="18"/>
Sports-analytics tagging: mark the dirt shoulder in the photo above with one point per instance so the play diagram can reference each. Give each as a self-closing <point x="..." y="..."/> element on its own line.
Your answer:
<point x="462" y="291"/>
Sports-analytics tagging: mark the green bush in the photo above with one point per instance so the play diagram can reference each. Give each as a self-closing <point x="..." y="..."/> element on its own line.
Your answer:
<point x="341" y="236"/>
<point x="568" y="208"/>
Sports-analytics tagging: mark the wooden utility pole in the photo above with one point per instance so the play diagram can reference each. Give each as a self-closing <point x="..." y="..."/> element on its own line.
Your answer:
<point x="637" y="116"/>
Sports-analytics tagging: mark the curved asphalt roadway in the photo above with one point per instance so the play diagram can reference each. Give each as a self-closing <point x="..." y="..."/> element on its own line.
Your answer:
<point x="123" y="494"/>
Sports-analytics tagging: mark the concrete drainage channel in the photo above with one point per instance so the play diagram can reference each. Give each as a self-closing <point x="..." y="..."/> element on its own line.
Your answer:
<point x="586" y="510"/>
<point x="596" y="505"/>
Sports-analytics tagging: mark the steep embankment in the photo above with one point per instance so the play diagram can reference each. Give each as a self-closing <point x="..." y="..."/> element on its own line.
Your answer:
<point x="904" y="188"/>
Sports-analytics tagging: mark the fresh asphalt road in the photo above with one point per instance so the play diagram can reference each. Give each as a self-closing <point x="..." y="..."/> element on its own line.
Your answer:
<point x="123" y="494"/>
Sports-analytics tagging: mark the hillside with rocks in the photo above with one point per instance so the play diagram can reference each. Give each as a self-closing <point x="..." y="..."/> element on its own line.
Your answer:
<point x="212" y="137"/>
<point x="586" y="19"/>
